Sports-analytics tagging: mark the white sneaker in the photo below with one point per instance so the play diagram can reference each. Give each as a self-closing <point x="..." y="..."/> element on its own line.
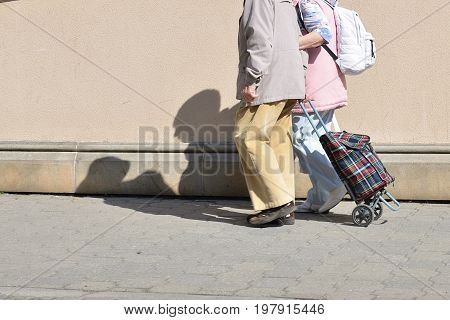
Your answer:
<point x="305" y="207"/>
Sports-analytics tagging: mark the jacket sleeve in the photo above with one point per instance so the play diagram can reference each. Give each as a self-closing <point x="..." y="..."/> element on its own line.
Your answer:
<point x="259" y="29"/>
<point x="315" y="20"/>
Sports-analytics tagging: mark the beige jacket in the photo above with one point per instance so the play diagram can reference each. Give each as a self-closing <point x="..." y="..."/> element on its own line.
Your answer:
<point x="268" y="49"/>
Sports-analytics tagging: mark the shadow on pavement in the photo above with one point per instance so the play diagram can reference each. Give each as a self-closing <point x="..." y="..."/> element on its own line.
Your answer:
<point x="336" y="218"/>
<point x="188" y="208"/>
<point x="331" y="217"/>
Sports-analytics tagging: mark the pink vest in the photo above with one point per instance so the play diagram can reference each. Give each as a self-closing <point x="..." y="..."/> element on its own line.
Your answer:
<point x="325" y="83"/>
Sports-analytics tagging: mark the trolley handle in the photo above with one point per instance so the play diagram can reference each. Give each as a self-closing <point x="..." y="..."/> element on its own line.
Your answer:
<point x="302" y="105"/>
<point x="390" y="196"/>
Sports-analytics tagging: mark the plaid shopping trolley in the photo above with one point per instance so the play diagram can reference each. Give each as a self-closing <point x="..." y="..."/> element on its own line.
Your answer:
<point x="359" y="168"/>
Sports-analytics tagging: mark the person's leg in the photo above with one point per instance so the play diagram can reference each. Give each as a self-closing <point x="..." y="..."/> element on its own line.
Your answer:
<point x="265" y="179"/>
<point x="327" y="189"/>
<point x="281" y="143"/>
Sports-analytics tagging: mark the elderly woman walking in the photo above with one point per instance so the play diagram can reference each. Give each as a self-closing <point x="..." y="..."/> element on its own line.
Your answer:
<point x="325" y="84"/>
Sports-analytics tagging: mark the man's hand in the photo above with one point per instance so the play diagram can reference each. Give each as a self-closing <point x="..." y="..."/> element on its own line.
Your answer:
<point x="249" y="93"/>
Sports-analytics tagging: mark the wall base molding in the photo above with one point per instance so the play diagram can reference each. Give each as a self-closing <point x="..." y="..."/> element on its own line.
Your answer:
<point x="33" y="146"/>
<point x="190" y="170"/>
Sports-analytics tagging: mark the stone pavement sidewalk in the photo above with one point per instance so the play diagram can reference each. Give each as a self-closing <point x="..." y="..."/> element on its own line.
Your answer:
<point x="68" y="247"/>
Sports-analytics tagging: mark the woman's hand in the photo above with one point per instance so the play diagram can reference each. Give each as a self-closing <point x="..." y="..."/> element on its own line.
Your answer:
<point x="310" y="40"/>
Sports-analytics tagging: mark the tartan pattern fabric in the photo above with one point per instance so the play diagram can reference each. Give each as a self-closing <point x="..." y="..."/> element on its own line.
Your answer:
<point x="356" y="163"/>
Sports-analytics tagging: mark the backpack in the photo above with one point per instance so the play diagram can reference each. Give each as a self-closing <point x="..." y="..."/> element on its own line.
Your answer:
<point x="356" y="50"/>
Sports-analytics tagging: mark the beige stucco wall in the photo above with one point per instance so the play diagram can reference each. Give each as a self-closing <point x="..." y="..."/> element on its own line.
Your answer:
<point x="97" y="70"/>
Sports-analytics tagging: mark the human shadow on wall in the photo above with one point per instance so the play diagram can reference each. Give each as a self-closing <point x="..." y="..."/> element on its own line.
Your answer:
<point x="200" y="119"/>
<point x="195" y="126"/>
<point x="207" y="131"/>
<point x="107" y="175"/>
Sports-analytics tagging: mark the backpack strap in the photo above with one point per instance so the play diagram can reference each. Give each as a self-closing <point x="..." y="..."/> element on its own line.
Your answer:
<point x="330" y="4"/>
<point x="299" y="16"/>
<point x="330" y="52"/>
<point x="300" y="19"/>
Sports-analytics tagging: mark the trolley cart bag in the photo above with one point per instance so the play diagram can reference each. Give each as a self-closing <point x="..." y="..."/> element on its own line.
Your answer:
<point x="356" y="162"/>
<point x="357" y="165"/>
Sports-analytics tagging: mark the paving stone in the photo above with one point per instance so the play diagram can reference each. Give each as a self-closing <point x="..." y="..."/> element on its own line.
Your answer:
<point x="124" y="295"/>
<point x="262" y="293"/>
<point x="46" y="293"/>
<point x="312" y="289"/>
<point x="354" y="294"/>
<point x="272" y="283"/>
<point x="422" y="263"/>
<point x="210" y="269"/>
<point x="224" y="286"/>
<point x="423" y="274"/>
<point x="399" y="294"/>
<point x="6" y="291"/>
<point x="239" y="277"/>
<point x="92" y="285"/>
<point x="405" y="283"/>
<point x="176" y="288"/>
<point x="361" y="286"/>
<point x="147" y="282"/>
<point x="441" y="279"/>
<point x="442" y="289"/>
<point x="430" y="294"/>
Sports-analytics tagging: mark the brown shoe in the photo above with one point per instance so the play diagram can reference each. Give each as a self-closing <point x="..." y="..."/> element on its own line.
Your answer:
<point x="283" y="221"/>
<point x="272" y="214"/>
<point x="289" y="220"/>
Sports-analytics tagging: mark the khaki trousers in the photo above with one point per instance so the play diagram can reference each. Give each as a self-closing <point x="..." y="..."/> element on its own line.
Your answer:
<point x="263" y="138"/>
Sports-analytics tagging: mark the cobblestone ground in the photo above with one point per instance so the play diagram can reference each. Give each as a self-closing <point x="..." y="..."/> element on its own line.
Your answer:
<point x="68" y="247"/>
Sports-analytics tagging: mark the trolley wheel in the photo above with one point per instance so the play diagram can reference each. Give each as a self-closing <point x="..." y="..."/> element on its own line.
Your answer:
<point x="362" y="215"/>
<point x="377" y="211"/>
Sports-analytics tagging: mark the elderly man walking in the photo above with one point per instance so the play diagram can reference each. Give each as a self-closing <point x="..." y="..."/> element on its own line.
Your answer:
<point x="271" y="79"/>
